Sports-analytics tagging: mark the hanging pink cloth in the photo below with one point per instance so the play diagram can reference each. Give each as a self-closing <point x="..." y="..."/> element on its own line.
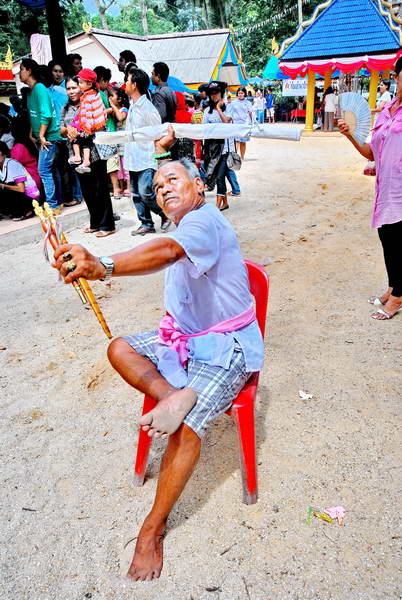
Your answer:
<point x="169" y="335"/>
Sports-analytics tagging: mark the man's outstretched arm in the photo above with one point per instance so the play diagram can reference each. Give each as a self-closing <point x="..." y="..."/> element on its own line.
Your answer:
<point x="146" y="258"/>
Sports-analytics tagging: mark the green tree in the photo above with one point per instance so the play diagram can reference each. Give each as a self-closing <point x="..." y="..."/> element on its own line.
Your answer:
<point x="19" y="22"/>
<point x="258" y="22"/>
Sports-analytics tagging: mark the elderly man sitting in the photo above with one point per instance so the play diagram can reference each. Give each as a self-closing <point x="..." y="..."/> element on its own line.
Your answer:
<point x="206" y="346"/>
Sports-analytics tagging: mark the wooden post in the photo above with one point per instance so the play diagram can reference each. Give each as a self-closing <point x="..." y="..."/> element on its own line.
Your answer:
<point x="56" y="30"/>
<point x="310" y="101"/>
<point x="327" y="79"/>
<point x="374" y="77"/>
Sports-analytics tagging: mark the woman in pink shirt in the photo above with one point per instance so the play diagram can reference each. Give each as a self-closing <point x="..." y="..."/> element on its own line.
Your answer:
<point x="24" y="150"/>
<point x="385" y="149"/>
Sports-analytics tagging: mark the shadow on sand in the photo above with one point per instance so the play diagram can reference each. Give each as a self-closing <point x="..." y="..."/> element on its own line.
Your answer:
<point x="219" y="460"/>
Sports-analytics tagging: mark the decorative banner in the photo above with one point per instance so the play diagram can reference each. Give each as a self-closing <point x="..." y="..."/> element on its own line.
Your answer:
<point x="351" y="64"/>
<point x="294" y="87"/>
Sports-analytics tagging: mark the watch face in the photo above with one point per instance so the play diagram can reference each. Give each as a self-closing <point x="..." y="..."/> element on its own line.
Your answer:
<point x="106" y="261"/>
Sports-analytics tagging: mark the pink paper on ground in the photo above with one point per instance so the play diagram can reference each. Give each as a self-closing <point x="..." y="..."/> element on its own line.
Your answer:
<point x="335" y="512"/>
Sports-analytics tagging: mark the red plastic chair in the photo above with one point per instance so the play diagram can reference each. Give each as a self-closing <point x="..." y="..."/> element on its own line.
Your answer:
<point x="242" y="409"/>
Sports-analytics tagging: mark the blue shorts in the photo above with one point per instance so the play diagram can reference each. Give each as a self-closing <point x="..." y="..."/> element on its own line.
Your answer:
<point x="216" y="387"/>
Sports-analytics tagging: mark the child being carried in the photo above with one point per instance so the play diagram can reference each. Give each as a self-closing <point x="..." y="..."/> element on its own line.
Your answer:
<point x="89" y="118"/>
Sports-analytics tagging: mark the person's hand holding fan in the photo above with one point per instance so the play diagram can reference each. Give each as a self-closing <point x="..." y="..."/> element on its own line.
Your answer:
<point x="356" y="114"/>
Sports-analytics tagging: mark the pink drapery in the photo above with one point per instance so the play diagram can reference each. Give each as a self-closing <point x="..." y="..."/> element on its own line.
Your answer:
<point x="346" y="65"/>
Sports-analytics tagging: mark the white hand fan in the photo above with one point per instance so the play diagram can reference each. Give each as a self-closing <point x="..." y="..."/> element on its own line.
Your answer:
<point x="356" y="113"/>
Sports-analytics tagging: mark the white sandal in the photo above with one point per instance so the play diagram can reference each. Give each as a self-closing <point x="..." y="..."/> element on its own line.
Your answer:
<point x="385" y="315"/>
<point x="375" y="301"/>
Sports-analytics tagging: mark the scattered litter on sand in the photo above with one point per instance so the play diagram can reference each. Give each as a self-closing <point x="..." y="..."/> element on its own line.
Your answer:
<point x="305" y="395"/>
<point x="329" y="515"/>
<point x="336" y="512"/>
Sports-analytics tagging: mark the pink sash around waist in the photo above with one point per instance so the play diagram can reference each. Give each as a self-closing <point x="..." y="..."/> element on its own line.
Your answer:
<point x="177" y="340"/>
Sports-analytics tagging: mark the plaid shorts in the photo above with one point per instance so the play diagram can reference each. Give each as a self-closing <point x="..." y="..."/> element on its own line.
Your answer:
<point x="216" y="387"/>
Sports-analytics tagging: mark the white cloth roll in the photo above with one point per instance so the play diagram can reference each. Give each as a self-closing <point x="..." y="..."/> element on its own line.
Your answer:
<point x="206" y="131"/>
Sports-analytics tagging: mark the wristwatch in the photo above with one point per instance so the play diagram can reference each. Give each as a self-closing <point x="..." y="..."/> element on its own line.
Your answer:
<point x="108" y="263"/>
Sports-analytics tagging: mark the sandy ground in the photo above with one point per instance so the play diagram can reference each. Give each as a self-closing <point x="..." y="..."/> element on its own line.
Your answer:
<point x="69" y="424"/>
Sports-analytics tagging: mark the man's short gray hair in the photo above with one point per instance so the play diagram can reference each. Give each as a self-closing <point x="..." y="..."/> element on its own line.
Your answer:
<point x="190" y="167"/>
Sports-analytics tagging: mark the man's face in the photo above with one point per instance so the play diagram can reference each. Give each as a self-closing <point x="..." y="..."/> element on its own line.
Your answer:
<point x="176" y="194"/>
<point x="130" y="86"/>
<point x="103" y="83"/>
<point x="77" y="65"/>
<point x="121" y="64"/>
<point x="155" y="78"/>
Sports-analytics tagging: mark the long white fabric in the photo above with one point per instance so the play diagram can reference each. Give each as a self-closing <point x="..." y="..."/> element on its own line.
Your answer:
<point x="203" y="131"/>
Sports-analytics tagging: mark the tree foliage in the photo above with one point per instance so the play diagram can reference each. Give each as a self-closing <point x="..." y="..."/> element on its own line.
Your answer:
<point x="19" y="22"/>
<point x="254" y="22"/>
<point x="257" y="23"/>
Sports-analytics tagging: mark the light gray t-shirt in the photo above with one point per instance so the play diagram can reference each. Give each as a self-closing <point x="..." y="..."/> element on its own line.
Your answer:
<point x="210" y="285"/>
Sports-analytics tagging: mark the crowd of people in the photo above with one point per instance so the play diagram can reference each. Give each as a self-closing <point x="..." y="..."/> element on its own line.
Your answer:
<point x="48" y="150"/>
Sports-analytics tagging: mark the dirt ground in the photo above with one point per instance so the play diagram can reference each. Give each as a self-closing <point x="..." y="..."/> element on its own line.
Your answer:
<point x="70" y="425"/>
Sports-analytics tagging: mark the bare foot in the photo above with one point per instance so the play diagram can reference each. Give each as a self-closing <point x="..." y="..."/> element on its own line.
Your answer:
<point x="148" y="555"/>
<point x="169" y="413"/>
<point x="391" y="307"/>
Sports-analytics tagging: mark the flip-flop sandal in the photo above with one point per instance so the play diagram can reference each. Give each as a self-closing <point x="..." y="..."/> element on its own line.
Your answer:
<point x="72" y="203"/>
<point x="375" y="301"/>
<point x="82" y="170"/>
<point x="102" y="234"/>
<point x="23" y="217"/>
<point x="384" y="315"/>
<point x="89" y="230"/>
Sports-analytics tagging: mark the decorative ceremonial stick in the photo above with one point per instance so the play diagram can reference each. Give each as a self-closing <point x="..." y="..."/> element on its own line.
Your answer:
<point x="85" y="287"/>
<point x="91" y="298"/>
<point x="39" y="212"/>
<point x="57" y="237"/>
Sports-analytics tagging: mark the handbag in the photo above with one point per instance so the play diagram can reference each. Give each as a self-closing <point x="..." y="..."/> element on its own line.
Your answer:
<point x="234" y="161"/>
<point x="106" y="151"/>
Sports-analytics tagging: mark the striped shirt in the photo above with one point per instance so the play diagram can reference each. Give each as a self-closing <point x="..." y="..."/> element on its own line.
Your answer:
<point x="92" y="115"/>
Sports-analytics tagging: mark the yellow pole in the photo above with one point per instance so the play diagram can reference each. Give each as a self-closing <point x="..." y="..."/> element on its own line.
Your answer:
<point x="310" y="101"/>
<point x="374" y="78"/>
<point x="327" y="79"/>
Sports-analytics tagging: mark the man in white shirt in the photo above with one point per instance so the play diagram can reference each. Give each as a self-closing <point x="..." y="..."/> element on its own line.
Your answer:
<point x="139" y="157"/>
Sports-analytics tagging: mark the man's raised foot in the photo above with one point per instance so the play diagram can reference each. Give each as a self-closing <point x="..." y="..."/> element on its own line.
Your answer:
<point x="169" y="413"/>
